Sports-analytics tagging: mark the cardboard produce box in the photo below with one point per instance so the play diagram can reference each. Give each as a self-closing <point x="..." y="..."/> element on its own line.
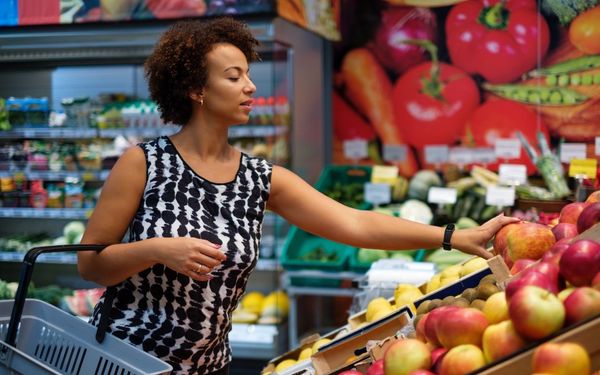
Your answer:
<point x="495" y="265"/>
<point x="585" y="333"/>
<point x="335" y="356"/>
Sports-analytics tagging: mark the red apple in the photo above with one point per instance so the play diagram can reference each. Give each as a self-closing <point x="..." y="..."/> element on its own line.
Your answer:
<point x="552" y="270"/>
<point x="594" y="197"/>
<point x="555" y="252"/>
<point x="529" y="240"/>
<point x="422" y="372"/>
<point x="500" y="238"/>
<point x="431" y="324"/>
<point x="420" y="328"/>
<point x="535" y="312"/>
<point x="520" y="265"/>
<point x="530" y="278"/>
<point x="461" y="326"/>
<point x="461" y="360"/>
<point x="500" y="340"/>
<point x="351" y="372"/>
<point x="582" y="303"/>
<point x="563" y="294"/>
<point x="564" y="230"/>
<point x="596" y="281"/>
<point x="588" y="217"/>
<point x="580" y="262"/>
<point x="561" y="358"/>
<point x="570" y="212"/>
<point x="437" y="355"/>
<point x="376" y="368"/>
<point x="406" y="356"/>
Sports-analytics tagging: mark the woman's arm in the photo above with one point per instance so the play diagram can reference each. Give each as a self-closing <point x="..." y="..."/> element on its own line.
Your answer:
<point x="118" y="203"/>
<point x="302" y="205"/>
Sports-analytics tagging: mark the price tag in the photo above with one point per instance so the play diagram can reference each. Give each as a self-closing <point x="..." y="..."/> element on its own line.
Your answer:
<point x="355" y="149"/>
<point x="512" y="174"/>
<point x="583" y="167"/>
<point x="461" y="155"/>
<point x="441" y="195"/>
<point x="88" y="176"/>
<point x="508" y="148"/>
<point x="394" y="153"/>
<point x="384" y="174"/>
<point x="378" y="194"/>
<point x="436" y="154"/>
<point x="500" y="196"/>
<point x="597" y="146"/>
<point x="570" y="151"/>
<point x="484" y="155"/>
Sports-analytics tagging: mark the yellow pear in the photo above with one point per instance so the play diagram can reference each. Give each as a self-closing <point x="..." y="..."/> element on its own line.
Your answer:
<point x="382" y="313"/>
<point x="284" y="364"/>
<point x="453" y="270"/>
<point x="472" y="265"/>
<point x="375" y="305"/>
<point x="407" y="295"/>
<point x="319" y="343"/>
<point x="305" y="354"/>
<point x="433" y="284"/>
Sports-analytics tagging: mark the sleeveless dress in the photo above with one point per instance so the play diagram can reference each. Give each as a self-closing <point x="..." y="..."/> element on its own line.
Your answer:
<point x="179" y="320"/>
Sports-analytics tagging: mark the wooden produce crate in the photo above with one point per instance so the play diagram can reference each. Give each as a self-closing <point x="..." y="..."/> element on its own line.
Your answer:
<point x="334" y="356"/>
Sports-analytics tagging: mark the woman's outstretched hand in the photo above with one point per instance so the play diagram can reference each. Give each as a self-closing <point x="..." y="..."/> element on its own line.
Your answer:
<point x="474" y="240"/>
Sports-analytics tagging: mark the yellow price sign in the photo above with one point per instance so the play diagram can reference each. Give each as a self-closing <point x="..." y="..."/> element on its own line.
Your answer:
<point x="583" y="167"/>
<point x="384" y="174"/>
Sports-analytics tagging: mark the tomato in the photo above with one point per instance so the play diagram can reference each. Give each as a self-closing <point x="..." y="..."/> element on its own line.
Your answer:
<point x="499" y="40"/>
<point x="499" y="118"/>
<point x="434" y="110"/>
<point x="584" y="32"/>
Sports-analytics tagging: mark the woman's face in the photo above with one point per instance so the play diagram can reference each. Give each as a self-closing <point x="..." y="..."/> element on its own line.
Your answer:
<point x="228" y="91"/>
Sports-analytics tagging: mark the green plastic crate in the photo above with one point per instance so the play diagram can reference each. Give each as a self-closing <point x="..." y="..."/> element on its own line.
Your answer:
<point x="298" y="243"/>
<point x="344" y="175"/>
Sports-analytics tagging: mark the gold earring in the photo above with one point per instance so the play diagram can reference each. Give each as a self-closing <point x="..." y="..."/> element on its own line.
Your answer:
<point x="201" y="101"/>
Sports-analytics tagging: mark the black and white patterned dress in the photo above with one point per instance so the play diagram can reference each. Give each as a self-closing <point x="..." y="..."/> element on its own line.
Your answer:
<point x="167" y="314"/>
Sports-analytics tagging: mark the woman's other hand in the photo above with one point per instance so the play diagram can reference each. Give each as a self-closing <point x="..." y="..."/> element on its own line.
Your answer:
<point x="190" y="256"/>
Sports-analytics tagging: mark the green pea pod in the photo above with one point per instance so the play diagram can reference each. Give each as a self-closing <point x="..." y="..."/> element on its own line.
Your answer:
<point x="574" y="65"/>
<point x="540" y="95"/>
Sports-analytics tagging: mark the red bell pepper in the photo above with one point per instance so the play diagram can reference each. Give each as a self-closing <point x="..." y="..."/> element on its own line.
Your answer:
<point x="498" y="39"/>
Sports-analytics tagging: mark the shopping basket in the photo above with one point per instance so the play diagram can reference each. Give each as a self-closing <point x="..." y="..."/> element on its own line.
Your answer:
<point x="42" y="339"/>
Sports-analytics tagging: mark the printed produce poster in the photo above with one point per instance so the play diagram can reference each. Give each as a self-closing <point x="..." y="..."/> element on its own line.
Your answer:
<point x="454" y="81"/>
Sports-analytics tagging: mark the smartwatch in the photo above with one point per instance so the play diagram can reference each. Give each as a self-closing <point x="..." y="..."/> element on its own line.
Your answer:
<point x="446" y="245"/>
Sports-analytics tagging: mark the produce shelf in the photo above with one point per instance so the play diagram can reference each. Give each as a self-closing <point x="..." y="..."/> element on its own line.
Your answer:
<point x="46" y="213"/>
<point x="58" y="175"/>
<point x="240" y="131"/>
<point x="257" y="341"/>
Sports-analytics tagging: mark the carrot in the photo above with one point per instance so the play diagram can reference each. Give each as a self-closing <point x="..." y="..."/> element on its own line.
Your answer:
<point x="370" y="90"/>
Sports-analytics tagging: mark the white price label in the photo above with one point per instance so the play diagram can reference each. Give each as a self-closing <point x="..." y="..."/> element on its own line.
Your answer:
<point x="512" y="174"/>
<point x="441" y="195"/>
<point x="484" y="155"/>
<point x="356" y="149"/>
<point x="378" y="194"/>
<point x="508" y="148"/>
<point x="597" y="146"/>
<point x="500" y="196"/>
<point x="394" y="153"/>
<point x="570" y="151"/>
<point x="436" y="154"/>
<point x="461" y="155"/>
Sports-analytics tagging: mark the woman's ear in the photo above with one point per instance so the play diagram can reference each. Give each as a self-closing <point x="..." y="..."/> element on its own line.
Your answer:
<point x="197" y="97"/>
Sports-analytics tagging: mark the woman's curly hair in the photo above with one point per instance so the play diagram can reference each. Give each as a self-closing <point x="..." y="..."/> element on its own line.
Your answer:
<point x="177" y="66"/>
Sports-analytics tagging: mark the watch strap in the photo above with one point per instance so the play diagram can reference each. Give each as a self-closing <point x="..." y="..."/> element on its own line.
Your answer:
<point x="446" y="244"/>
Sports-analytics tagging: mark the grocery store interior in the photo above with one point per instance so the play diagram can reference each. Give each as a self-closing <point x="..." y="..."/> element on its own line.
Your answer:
<point x="444" y="112"/>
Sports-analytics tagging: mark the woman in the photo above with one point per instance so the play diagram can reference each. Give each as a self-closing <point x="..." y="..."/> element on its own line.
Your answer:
<point x="194" y="205"/>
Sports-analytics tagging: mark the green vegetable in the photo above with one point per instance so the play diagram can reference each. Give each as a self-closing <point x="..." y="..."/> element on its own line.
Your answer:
<point x="541" y="95"/>
<point x="351" y="194"/>
<point x="567" y="10"/>
<point x="416" y="210"/>
<point x="320" y="255"/>
<point x="578" y="64"/>
<point x="73" y="231"/>
<point x="419" y="185"/>
<point x="370" y="255"/>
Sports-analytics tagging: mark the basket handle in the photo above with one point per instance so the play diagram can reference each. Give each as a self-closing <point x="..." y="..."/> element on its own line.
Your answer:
<point x="25" y="279"/>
